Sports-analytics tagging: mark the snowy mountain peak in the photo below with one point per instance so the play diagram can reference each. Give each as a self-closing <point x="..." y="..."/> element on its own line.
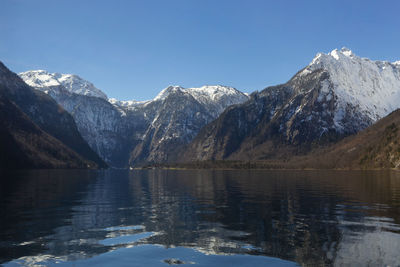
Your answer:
<point x="216" y="93"/>
<point x="214" y="90"/>
<point x="373" y="86"/>
<point x="335" y="54"/>
<point x="214" y="97"/>
<point x="339" y="54"/>
<point x="73" y="83"/>
<point x="165" y="92"/>
<point x="77" y="85"/>
<point x="209" y="92"/>
<point x="39" y="78"/>
<point x="347" y="52"/>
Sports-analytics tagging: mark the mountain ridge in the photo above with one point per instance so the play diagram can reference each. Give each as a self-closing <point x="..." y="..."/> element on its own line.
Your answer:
<point x="133" y="132"/>
<point x="71" y="82"/>
<point x="319" y="105"/>
<point x="338" y="94"/>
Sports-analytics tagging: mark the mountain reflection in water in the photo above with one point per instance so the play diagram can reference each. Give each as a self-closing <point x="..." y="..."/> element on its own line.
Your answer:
<point x="202" y="217"/>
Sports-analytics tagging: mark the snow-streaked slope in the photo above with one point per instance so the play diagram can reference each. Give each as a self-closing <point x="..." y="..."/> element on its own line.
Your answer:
<point x="70" y="82"/>
<point x="371" y="86"/>
<point x="100" y="123"/>
<point x="175" y="117"/>
<point x="217" y="98"/>
<point x="129" y="104"/>
<point x="167" y="91"/>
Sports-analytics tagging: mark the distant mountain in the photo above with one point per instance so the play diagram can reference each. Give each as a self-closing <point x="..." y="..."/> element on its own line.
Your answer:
<point x="36" y="131"/>
<point x="71" y="83"/>
<point x="134" y="132"/>
<point x="176" y="116"/>
<point x="336" y="95"/>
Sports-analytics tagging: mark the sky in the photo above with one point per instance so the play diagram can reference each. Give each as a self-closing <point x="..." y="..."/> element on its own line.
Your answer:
<point x="133" y="49"/>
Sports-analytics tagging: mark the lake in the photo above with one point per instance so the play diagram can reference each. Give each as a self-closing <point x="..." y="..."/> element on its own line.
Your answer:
<point x="200" y="218"/>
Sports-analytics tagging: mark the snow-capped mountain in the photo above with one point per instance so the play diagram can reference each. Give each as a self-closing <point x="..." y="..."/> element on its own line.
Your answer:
<point x="72" y="83"/>
<point x="373" y="86"/>
<point x="215" y="98"/>
<point x="98" y="121"/>
<point x="174" y="117"/>
<point x="337" y="94"/>
<point x="135" y="131"/>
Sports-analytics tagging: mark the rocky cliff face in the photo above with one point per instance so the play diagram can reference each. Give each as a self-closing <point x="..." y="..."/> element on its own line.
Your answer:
<point x="132" y="132"/>
<point x="338" y="94"/>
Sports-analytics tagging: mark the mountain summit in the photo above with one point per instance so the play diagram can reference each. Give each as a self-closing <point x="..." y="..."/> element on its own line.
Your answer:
<point x="371" y="85"/>
<point x="72" y="83"/>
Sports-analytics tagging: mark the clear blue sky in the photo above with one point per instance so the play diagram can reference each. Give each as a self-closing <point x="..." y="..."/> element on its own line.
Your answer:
<point x="133" y="49"/>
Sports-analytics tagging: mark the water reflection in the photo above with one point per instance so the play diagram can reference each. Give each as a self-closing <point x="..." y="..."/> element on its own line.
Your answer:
<point x="309" y="217"/>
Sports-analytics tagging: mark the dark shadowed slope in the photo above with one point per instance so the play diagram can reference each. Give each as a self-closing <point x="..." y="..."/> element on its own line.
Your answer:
<point x="376" y="147"/>
<point x="24" y="145"/>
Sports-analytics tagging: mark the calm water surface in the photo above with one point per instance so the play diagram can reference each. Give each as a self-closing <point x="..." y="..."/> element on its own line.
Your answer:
<point x="200" y="217"/>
